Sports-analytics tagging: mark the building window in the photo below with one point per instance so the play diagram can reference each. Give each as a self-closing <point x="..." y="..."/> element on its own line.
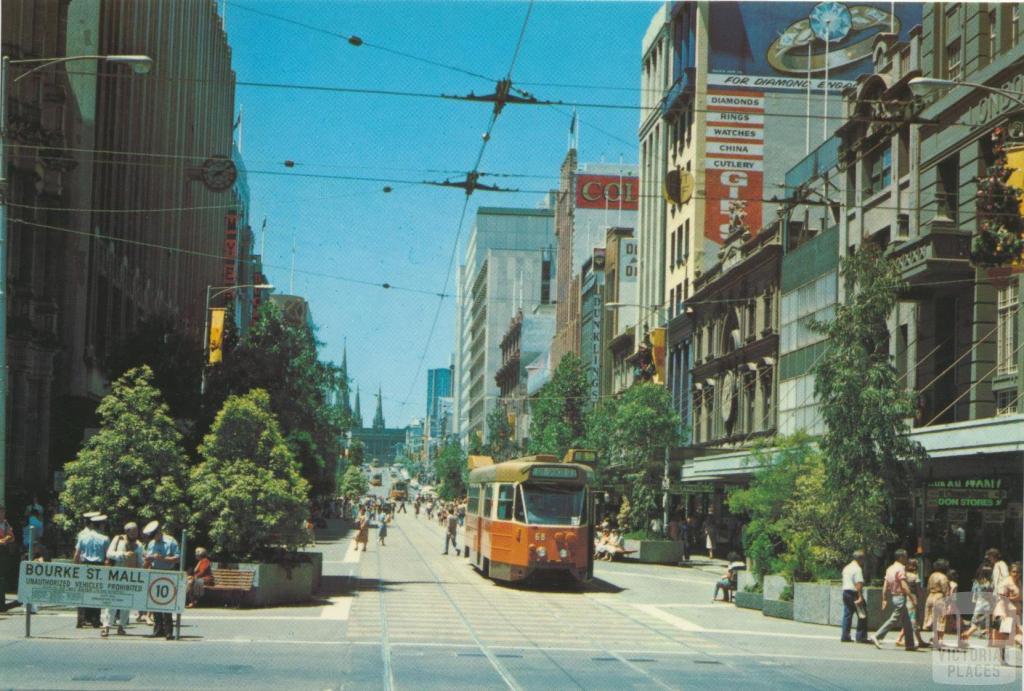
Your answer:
<point x="752" y="319"/>
<point x="768" y="297"/>
<point x="766" y="397"/>
<point x="545" y="281"/>
<point x="993" y="35"/>
<point x="879" y="170"/>
<point x="750" y="400"/>
<point x="953" y="60"/>
<point x="686" y="240"/>
<point x="948" y="197"/>
<point x="1006" y="402"/>
<point x="672" y="257"/>
<point x="1008" y="326"/>
<point x="1015" y="24"/>
<point x="679" y="298"/>
<point x="902" y="225"/>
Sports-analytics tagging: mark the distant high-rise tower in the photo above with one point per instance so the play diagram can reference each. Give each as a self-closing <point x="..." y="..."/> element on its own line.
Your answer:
<point x="378" y="417"/>
<point x="439" y="385"/>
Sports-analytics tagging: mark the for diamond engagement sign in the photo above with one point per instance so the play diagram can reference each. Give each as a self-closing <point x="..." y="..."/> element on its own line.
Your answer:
<point x="91" y="585"/>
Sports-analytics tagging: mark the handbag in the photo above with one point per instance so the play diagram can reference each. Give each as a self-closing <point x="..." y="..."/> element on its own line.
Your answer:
<point x="862" y="610"/>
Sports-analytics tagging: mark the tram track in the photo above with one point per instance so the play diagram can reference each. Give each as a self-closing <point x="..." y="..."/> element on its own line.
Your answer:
<point x="501" y="669"/>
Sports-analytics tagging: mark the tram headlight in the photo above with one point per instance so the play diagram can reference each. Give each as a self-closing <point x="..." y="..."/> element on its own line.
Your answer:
<point x="542" y="552"/>
<point x="563" y="553"/>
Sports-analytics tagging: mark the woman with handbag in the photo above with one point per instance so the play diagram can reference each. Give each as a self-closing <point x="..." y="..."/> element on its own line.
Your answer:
<point x="1006" y="615"/>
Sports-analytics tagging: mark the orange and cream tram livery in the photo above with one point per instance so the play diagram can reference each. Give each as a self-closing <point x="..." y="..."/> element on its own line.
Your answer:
<point x="531" y="515"/>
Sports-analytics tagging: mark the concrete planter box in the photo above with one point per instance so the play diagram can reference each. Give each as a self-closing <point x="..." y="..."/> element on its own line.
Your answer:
<point x="812" y="602"/>
<point x="317" y="560"/>
<point x="773" y="586"/>
<point x="777" y="609"/>
<point x="747" y="600"/>
<point x="655" y="551"/>
<point x="745" y="580"/>
<point x="872" y="597"/>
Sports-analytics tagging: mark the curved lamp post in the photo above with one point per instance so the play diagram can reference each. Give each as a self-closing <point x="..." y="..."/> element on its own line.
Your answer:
<point x="926" y="85"/>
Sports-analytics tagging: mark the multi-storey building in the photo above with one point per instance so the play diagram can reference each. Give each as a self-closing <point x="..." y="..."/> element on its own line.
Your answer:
<point x="508" y="266"/>
<point x="528" y="337"/>
<point x="622" y="310"/>
<point x="93" y="151"/>
<point x="439" y="385"/>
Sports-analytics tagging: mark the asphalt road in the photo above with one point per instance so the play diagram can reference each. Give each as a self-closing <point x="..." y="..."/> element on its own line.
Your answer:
<point x="404" y="616"/>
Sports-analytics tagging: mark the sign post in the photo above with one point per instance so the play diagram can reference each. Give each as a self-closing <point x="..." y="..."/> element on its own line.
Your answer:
<point x="28" y="605"/>
<point x="184" y="580"/>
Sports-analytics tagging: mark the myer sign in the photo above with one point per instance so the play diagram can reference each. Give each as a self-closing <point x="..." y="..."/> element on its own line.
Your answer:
<point x="87" y="585"/>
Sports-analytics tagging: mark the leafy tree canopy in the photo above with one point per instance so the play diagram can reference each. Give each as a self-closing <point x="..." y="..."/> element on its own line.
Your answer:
<point x="558" y="412"/>
<point x="247" y="493"/>
<point x="280" y="357"/>
<point x="869" y="456"/>
<point x="500" y="443"/>
<point x="452" y="468"/>
<point x="353" y="483"/>
<point x="134" y="468"/>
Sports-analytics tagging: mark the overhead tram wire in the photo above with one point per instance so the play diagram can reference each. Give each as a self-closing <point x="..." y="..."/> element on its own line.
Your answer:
<point x="465" y="207"/>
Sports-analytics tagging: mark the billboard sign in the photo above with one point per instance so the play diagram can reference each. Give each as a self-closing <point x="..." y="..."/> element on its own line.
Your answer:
<point x="781" y="46"/>
<point x="734" y="159"/>
<point x="607" y="192"/>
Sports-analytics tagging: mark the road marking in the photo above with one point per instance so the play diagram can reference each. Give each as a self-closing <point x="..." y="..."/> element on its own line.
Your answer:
<point x="338" y="610"/>
<point x="678" y="622"/>
<point x="352" y="554"/>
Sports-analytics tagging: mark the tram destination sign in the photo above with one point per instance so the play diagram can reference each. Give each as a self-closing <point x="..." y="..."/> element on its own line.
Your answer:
<point x="88" y="585"/>
<point x="553" y="473"/>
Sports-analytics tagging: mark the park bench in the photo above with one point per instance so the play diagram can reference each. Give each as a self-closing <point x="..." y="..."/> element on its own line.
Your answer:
<point x="231" y="581"/>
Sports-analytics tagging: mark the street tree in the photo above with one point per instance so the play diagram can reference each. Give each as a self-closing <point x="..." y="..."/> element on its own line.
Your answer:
<point x="452" y="469"/>
<point x="868" y="454"/>
<point x="500" y="442"/>
<point x="247" y="493"/>
<point x="353" y="483"/>
<point x="280" y="356"/>
<point x="558" y="411"/>
<point x="134" y="468"/>
<point x="357" y="452"/>
<point x="631" y="435"/>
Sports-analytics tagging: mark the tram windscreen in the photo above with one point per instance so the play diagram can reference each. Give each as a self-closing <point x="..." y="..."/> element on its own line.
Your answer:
<point x="554" y="505"/>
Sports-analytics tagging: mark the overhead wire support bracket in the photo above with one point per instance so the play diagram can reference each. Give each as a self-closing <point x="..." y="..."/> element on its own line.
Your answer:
<point x="502" y="95"/>
<point x="470" y="184"/>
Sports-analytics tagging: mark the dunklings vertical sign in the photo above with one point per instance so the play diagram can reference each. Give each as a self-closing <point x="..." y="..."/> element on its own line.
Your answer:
<point x="734" y="159"/>
<point x="230" y="248"/>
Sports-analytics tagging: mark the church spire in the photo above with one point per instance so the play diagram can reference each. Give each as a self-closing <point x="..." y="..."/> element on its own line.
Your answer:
<point x="378" y="417"/>
<point x="346" y="408"/>
<point x="357" y="413"/>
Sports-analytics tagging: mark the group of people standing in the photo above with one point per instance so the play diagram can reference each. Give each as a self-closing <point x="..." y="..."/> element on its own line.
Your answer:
<point x="993" y="608"/>
<point x="451" y="516"/>
<point x="156" y="550"/>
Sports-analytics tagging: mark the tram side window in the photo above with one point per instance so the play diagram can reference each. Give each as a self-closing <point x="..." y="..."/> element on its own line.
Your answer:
<point x="486" y="489"/>
<point x="506" y="498"/>
<point x="520" y="511"/>
<point x="473" y="505"/>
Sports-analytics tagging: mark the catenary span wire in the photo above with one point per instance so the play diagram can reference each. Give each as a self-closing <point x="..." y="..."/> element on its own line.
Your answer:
<point x="363" y="42"/>
<point x="346" y="279"/>
<point x="971" y="388"/>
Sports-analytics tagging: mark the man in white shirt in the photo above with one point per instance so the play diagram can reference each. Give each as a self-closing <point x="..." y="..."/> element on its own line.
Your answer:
<point x="853" y="598"/>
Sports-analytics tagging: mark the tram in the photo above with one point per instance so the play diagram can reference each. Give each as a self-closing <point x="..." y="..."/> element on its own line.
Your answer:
<point x="531" y="515"/>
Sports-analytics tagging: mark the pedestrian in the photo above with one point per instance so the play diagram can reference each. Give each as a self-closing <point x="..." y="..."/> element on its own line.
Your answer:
<point x="935" y="604"/>
<point x="201" y="576"/>
<point x="362" y="529"/>
<point x="401" y="507"/>
<point x="981" y="598"/>
<point x="162" y="553"/>
<point x="914" y="583"/>
<point x="91" y="548"/>
<point x="1006" y="614"/>
<point x="1000" y="571"/>
<point x="853" y="599"/>
<point x="430" y="509"/>
<point x="33" y="530"/>
<point x="416" y="507"/>
<point x="951" y="608"/>
<point x="709" y="539"/>
<point x="382" y="527"/>
<point x="897" y="592"/>
<point x="7" y="548"/>
<point x="125" y="551"/>
<point x="461" y="512"/>
<point x="451" y="532"/>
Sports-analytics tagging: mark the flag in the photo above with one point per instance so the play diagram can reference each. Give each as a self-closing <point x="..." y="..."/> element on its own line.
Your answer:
<point x="216" y="334"/>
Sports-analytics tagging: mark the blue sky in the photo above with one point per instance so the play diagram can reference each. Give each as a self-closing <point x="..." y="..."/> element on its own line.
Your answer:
<point x="346" y="229"/>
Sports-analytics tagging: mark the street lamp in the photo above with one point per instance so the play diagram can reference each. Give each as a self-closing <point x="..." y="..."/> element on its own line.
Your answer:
<point x="140" y="64"/>
<point x="921" y="86"/>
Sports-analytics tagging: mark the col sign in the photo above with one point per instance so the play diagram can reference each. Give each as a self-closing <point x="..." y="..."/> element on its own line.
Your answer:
<point x="607" y="192"/>
<point x="88" y="585"/>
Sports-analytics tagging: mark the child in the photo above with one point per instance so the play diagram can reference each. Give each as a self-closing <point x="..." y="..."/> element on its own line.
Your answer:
<point x="981" y="596"/>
